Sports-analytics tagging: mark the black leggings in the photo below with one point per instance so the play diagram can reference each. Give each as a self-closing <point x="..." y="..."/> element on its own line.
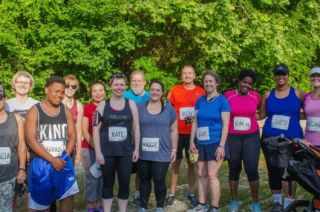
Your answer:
<point x="156" y="171"/>
<point x="121" y="166"/>
<point x="246" y="148"/>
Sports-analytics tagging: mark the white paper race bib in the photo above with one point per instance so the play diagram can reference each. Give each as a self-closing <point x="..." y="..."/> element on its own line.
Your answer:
<point x="185" y="112"/>
<point x="280" y="122"/>
<point x="5" y="155"/>
<point x="313" y="124"/>
<point x="118" y="134"/>
<point x="203" y="133"/>
<point x="55" y="148"/>
<point x="241" y="123"/>
<point x="150" y="144"/>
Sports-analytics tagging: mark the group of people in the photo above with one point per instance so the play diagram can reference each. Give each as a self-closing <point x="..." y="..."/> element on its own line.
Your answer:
<point x="142" y="132"/>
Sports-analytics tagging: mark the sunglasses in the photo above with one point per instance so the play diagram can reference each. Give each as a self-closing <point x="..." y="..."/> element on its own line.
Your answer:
<point x="118" y="75"/>
<point x="70" y="86"/>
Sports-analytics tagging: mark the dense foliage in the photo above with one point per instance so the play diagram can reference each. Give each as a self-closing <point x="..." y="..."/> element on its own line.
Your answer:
<point x="95" y="38"/>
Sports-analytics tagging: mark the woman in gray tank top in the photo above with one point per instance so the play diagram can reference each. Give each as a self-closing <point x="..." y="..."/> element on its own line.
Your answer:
<point x="158" y="146"/>
<point x="12" y="154"/>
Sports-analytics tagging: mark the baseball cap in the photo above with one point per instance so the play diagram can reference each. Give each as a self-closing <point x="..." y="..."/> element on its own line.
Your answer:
<point x="2" y="92"/>
<point x="281" y="68"/>
<point x="315" y="70"/>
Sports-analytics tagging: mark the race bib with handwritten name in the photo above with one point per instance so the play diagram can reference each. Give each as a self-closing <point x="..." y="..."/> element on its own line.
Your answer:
<point x="5" y="155"/>
<point x="280" y="122"/>
<point x="117" y="134"/>
<point x="203" y="133"/>
<point x="185" y="112"/>
<point x="55" y="148"/>
<point x="241" y="123"/>
<point x="150" y="144"/>
<point x="313" y="124"/>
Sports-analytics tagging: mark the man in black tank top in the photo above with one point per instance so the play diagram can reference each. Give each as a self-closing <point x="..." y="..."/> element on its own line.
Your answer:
<point x="51" y="136"/>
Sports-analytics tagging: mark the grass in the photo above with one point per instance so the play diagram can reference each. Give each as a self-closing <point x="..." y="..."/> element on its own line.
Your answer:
<point x="182" y="191"/>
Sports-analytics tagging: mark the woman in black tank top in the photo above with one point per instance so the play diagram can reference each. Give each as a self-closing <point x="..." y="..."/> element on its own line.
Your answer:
<point x="116" y="137"/>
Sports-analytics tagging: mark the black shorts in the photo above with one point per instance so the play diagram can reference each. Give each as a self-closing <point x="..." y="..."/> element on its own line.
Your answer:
<point x="183" y="143"/>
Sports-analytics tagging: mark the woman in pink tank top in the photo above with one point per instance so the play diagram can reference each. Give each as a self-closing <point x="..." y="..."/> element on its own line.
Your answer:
<point x="311" y="107"/>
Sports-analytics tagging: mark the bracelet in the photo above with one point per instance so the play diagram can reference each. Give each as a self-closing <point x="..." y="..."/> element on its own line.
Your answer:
<point x="221" y="146"/>
<point x="23" y="169"/>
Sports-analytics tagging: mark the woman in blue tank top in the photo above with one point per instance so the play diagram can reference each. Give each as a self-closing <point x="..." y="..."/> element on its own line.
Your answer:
<point x="282" y="107"/>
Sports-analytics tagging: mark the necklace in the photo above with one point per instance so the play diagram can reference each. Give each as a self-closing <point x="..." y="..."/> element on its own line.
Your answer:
<point x="213" y="98"/>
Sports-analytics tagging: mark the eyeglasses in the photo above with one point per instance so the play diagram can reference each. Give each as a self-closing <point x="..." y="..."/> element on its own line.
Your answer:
<point x="70" y="86"/>
<point x="23" y="83"/>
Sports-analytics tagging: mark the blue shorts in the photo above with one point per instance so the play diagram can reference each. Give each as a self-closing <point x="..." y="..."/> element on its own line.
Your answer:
<point x="47" y="185"/>
<point x="207" y="152"/>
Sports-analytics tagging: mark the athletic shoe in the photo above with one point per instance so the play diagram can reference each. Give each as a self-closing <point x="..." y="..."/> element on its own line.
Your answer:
<point x="199" y="208"/>
<point x="99" y="209"/>
<point x="142" y="210"/>
<point x="159" y="210"/>
<point x="136" y="198"/>
<point x="170" y="200"/>
<point x="91" y="210"/>
<point x="277" y="207"/>
<point x="212" y="209"/>
<point x="234" y="206"/>
<point x="255" y="207"/>
<point x="192" y="199"/>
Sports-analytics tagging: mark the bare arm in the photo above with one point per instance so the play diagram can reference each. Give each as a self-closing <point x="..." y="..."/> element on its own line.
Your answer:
<point x="193" y="133"/>
<point x="262" y="113"/>
<point x="220" y="152"/>
<point x="174" y="140"/>
<point x="85" y="131"/>
<point x="79" y="132"/>
<point x="22" y="153"/>
<point x="72" y="135"/>
<point x="96" y="135"/>
<point x="300" y="94"/>
<point x="136" y="130"/>
<point x="30" y="136"/>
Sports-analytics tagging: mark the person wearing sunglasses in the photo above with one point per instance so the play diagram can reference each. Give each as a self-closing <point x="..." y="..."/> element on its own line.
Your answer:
<point x="281" y="106"/>
<point x="22" y="84"/>
<point x="116" y="137"/>
<point x="311" y="105"/>
<point x="12" y="154"/>
<point x="72" y="86"/>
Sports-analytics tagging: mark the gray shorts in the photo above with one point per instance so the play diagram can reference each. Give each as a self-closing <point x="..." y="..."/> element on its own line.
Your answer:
<point x="92" y="185"/>
<point x="7" y="195"/>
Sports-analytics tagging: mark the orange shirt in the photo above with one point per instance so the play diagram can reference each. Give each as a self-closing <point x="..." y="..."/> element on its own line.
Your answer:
<point x="183" y="101"/>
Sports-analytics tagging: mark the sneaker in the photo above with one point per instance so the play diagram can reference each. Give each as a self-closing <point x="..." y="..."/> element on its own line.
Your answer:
<point x="99" y="209"/>
<point x="170" y="200"/>
<point x="90" y="210"/>
<point x="277" y="207"/>
<point x="136" y="199"/>
<point x="234" y="206"/>
<point x="199" y="208"/>
<point x="212" y="209"/>
<point x="255" y="207"/>
<point x="159" y="210"/>
<point x="142" y="210"/>
<point x="193" y="199"/>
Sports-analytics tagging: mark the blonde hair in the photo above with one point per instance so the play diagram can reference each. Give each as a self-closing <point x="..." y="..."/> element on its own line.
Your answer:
<point x="71" y="77"/>
<point x="22" y="74"/>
